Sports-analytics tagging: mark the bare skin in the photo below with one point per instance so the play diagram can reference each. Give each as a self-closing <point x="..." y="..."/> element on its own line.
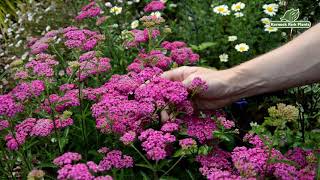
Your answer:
<point x="294" y="64"/>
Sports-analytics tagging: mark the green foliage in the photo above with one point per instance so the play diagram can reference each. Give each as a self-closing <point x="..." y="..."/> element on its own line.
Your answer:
<point x="7" y="7"/>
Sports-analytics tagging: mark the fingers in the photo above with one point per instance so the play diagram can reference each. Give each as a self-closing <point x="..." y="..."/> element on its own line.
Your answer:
<point x="179" y="74"/>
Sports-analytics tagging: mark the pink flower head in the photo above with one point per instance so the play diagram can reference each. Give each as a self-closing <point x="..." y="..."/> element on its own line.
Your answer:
<point x="128" y="137"/>
<point x="43" y="65"/>
<point x="187" y="143"/>
<point x="93" y="67"/>
<point x="77" y="171"/>
<point x="184" y="55"/>
<point x="87" y="56"/>
<point x="155" y="142"/>
<point x="26" y="125"/>
<point x="43" y="128"/>
<point x="115" y="159"/>
<point x="227" y="124"/>
<point x="67" y="158"/>
<point x="89" y="11"/>
<point x="170" y="127"/>
<point x="14" y="141"/>
<point x="201" y="128"/>
<point x="8" y="106"/>
<point x="62" y="123"/>
<point x="155" y="5"/>
<point x="4" y="124"/>
<point x="198" y="85"/>
<point x="66" y="87"/>
<point x="173" y="45"/>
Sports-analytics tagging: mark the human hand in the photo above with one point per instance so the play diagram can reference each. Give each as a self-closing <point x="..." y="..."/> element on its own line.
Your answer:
<point x="220" y="90"/>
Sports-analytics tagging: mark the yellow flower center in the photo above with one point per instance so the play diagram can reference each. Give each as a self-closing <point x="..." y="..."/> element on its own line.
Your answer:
<point x="221" y="9"/>
<point x="270" y="9"/>
<point x="242" y="48"/>
<point x="238" y="6"/>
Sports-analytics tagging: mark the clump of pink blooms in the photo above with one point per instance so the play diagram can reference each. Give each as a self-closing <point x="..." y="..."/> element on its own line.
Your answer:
<point x="187" y="143"/>
<point x="34" y="128"/>
<point x="25" y="91"/>
<point x="91" y="67"/>
<point x="155" y="5"/>
<point x="81" y="38"/>
<point x="128" y="137"/>
<point x="155" y="143"/>
<point x="40" y="45"/>
<point x="68" y="170"/>
<point x="4" y="124"/>
<point x="62" y="102"/>
<point x="43" y="65"/>
<point x="227" y="124"/>
<point x="9" y="106"/>
<point x="200" y="128"/>
<point x="256" y="161"/>
<point x="89" y="11"/>
<point x="142" y="36"/>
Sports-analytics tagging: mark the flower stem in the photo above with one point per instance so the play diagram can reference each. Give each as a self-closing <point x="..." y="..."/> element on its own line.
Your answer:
<point x="174" y="165"/>
<point x="15" y="138"/>
<point x="142" y="156"/>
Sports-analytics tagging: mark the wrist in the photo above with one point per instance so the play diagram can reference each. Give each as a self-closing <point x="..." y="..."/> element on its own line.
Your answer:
<point x="245" y="81"/>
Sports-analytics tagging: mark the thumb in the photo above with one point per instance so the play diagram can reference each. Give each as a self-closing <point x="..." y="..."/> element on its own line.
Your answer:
<point x="179" y="74"/>
<point x="187" y="82"/>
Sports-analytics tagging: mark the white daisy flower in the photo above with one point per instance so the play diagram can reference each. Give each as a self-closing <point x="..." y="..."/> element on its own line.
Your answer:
<point x="116" y="10"/>
<point x="222" y="9"/>
<point x="238" y="14"/>
<point x="134" y="24"/>
<point x="237" y="6"/>
<point x="265" y="20"/>
<point x="270" y="29"/>
<point x="232" y="38"/>
<point x="108" y="4"/>
<point x="242" y="47"/>
<point x="224" y="57"/>
<point x="271" y="9"/>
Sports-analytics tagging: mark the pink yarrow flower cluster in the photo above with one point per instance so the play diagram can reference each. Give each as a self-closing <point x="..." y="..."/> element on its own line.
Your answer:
<point x="81" y="38"/>
<point x="69" y="99"/>
<point x="25" y="91"/>
<point x="43" y="65"/>
<point x="34" y="128"/>
<point x="92" y="67"/>
<point x="129" y="101"/>
<point x="89" y="11"/>
<point x="153" y="59"/>
<point x="200" y="128"/>
<point x="154" y="5"/>
<point x="155" y="143"/>
<point x="86" y="171"/>
<point x="179" y="53"/>
<point x="9" y="106"/>
<point x="248" y="163"/>
<point x="142" y="36"/>
<point x="40" y="45"/>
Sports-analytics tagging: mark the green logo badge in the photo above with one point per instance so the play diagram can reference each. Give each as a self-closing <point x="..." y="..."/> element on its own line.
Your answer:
<point x="289" y="20"/>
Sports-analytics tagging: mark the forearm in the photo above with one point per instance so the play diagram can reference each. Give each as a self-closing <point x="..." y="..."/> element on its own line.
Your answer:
<point x="296" y="63"/>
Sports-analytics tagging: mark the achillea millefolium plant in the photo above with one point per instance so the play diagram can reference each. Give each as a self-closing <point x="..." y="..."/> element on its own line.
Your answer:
<point x="77" y="113"/>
